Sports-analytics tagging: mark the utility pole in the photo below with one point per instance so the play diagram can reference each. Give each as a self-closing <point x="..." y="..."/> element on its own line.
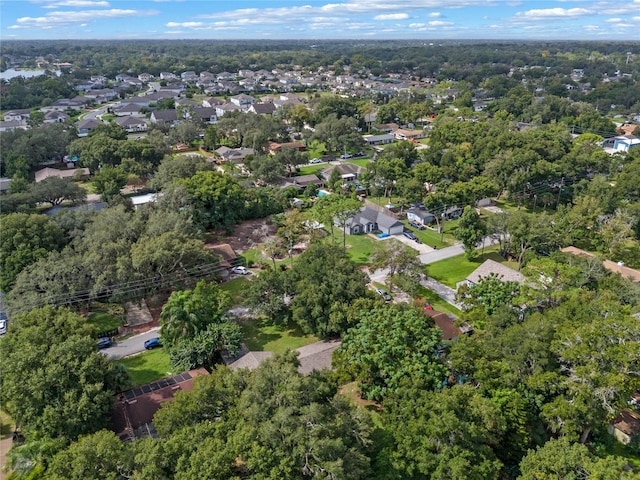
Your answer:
<point x="560" y="191"/>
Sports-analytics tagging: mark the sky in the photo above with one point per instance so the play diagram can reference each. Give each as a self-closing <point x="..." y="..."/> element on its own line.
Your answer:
<point x="321" y="19"/>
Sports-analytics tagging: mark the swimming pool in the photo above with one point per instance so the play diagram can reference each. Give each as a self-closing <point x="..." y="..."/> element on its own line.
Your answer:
<point x="323" y="193"/>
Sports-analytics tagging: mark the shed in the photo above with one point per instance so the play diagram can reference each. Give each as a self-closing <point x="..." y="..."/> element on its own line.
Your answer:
<point x="421" y="216"/>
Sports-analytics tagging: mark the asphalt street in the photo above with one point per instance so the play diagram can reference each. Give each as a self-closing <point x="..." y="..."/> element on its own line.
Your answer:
<point x="130" y="346"/>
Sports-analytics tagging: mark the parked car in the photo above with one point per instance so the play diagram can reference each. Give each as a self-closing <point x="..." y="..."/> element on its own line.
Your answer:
<point x="417" y="225"/>
<point x="152" y="343"/>
<point x="410" y="235"/>
<point x="3" y="326"/>
<point x="104" y="342"/>
<point x="344" y="156"/>
<point x="384" y="294"/>
<point x="315" y="161"/>
<point x="240" y="270"/>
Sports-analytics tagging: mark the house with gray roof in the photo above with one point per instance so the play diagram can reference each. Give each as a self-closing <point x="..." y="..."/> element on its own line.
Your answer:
<point x="370" y="220"/>
<point x="349" y="172"/>
<point x="489" y="267"/>
<point x="420" y="216"/>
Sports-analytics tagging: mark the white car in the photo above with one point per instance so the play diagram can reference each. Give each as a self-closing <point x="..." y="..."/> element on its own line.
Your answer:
<point x="3" y="326"/>
<point x="240" y="270"/>
<point x="315" y="161"/>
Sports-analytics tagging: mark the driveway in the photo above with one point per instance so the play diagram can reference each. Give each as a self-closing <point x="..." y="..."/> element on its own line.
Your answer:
<point x="130" y="346"/>
<point x="452" y="251"/>
<point x="422" y="248"/>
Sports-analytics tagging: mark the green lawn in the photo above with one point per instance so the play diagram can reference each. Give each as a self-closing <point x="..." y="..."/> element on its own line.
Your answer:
<point x="234" y="287"/>
<point x="309" y="169"/>
<point x="103" y="321"/>
<point x="147" y="366"/>
<point x="436" y="302"/>
<point x="455" y="269"/>
<point x="359" y="247"/>
<point x="261" y="335"/>
<point x="361" y="162"/>
<point x="432" y="237"/>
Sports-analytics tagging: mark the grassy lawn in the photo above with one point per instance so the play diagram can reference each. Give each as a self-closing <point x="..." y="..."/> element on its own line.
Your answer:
<point x="261" y="335"/>
<point x="361" y="162"/>
<point x="103" y="321"/>
<point x="234" y="287"/>
<point x="436" y="302"/>
<point x="359" y="247"/>
<point x="309" y="169"/>
<point x="147" y="366"/>
<point x="432" y="237"/>
<point x="455" y="269"/>
<point x="252" y="256"/>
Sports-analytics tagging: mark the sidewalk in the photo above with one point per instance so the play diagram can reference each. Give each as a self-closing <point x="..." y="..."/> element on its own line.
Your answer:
<point x="452" y="251"/>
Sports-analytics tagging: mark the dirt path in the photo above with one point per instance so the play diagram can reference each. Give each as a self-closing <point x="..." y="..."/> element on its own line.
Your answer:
<point x="6" y="429"/>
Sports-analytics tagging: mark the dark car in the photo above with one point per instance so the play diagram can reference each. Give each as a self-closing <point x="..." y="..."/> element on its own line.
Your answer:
<point x="410" y="235"/>
<point x="384" y="294"/>
<point x="152" y="343"/>
<point x="104" y="342"/>
<point x="417" y="225"/>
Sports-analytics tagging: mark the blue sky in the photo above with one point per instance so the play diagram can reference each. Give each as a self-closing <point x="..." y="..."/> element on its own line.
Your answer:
<point x="321" y="19"/>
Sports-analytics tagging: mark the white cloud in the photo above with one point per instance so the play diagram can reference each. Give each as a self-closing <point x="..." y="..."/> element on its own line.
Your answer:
<point x="184" y="24"/>
<point x="77" y="4"/>
<point x="555" y="13"/>
<point x="392" y="16"/>
<point x="435" y="14"/>
<point x="439" y="23"/>
<point x="591" y="28"/>
<point x="417" y="25"/>
<point x="613" y="20"/>
<point x="58" y="19"/>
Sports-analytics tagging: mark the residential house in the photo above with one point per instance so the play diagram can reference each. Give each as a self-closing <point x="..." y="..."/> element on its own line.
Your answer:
<point x="5" y="183"/>
<point x="188" y="76"/>
<point x="226" y="107"/>
<point x="381" y="139"/>
<point x="145" y="77"/>
<point x="55" y="117"/>
<point x="48" y="172"/>
<point x="132" y="124"/>
<point x="452" y="213"/>
<point x="164" y="116"/>
<point x="167" y="76"/>
<point x="387" y="127"/>
<point x="625" y="426"/>
<point x="489" y="267"/>
<point x="403" y="134"/>
<point x="134" y="409"/>
<point x="420" y="216"/>
<point x="370" y="220"/>
<point x="236" y="155"/>
<point x="274" y="147"/>
<point x="301" y="182"/>
<point x="127" y="109"/>
<point x="17" y="115"/>
<point x="212" y="102"/>
<point x="12" y="125"/>
<point x="621" y="143"/>
<point x="139" y="200"/>
<point x="228" y="256"/>
<point x="446" y="324"/>
<point x="348" y="171"/>
<point x="205" y="114"/>
<point x="243" y="101"/>
<point x="262" y="108"/>
<point x="85" y="126"/>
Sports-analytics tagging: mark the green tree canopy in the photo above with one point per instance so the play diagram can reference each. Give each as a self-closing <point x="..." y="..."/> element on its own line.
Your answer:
<point x="388" y="345"/>
<point x="53" y="380"/>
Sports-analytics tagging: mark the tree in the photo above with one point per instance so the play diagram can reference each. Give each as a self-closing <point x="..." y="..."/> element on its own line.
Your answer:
<point x="101" y="455"/>
<point x="218" y="200"/>
<point x="266" y="294"/>
<point x="24" y="240"/>
<point x="446" y="434"/>
<point x="559" y="458"/>
<point x="70" y="390"/>
<point x="189" y="312"/>
<point x="489" y="293"/>
<point x="471" y="230"/>
<point x="387" y="345"/>
<point x="109" y="181"/>
<point x="325" y="281"/>
<point x="290" y="231"/>
<point x="57" y="190"/>
<point x="176" y="168"/>
<point x="403" y="266"/>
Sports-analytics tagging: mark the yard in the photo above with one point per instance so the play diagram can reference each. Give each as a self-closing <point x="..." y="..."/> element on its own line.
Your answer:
<point x="147" y="366"/>
<point x="455" y="269"/>
<point x="436" y="302"/>
<point x="104" y="321"/>
<point x="234" y="288"/>
<point x="262" y="335"/>
<point x="359" y="247"/>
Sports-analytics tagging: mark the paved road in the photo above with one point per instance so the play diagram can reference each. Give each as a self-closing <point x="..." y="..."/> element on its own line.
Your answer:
<point x="131" y="345"/>
<point x="452" y="251"/>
